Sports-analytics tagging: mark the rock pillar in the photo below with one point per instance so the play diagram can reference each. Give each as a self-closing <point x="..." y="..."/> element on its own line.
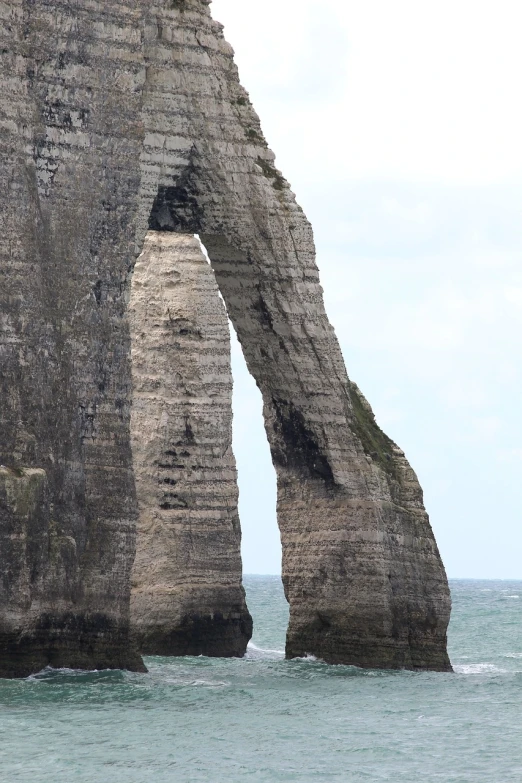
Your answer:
<point x="361" y="568"/>
<point x="187" y="596"/>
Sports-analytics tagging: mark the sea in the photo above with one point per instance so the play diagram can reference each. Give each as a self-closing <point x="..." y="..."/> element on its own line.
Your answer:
<point x="262" y="718"/>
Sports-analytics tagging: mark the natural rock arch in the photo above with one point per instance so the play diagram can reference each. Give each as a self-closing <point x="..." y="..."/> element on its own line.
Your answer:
<point x="131" y="117"/>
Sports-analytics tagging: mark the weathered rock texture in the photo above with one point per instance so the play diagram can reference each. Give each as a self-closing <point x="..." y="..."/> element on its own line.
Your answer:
<point x="40" y="623"/>
<point x="187" y="596"/>
<point x="122" y="116"/>
<point x="70" y="143"/>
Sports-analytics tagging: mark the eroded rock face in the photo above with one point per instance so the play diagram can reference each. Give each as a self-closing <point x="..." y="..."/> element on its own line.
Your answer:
<point x="39" y="623"/>
<point x="27" y="551"/>
<point x="187" y="596"/>
<point x="70" y="143"/>
<point x="361" y="568"/>
<point x="116" y="118"/>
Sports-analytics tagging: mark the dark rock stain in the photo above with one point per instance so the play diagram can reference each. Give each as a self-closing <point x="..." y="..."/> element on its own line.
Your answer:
<point x="298" y="447"/>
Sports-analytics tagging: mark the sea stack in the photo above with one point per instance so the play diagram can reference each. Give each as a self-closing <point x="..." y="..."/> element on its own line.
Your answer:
<point x="187" y="593"/>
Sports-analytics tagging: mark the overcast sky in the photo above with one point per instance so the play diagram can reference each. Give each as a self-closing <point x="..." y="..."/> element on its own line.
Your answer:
<point x="399" y="127"/>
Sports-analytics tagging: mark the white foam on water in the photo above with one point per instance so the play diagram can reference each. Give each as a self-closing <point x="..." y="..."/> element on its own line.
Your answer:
<point x="513" y="655"/>
<point x="209" y="684"/>
<point x="256" y="653"/>
<point x="50" y="670"/>
<point x="188" y="682"/>
<point x="477" y="668"/>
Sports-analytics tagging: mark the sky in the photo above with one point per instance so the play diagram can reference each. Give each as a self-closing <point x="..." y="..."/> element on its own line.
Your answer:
<point x="399" y="127"/>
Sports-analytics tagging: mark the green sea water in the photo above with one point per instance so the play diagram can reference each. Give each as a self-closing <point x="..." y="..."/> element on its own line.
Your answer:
<point x="197" y="720"/>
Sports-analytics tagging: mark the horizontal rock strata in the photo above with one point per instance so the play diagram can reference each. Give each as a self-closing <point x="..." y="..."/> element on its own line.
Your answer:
<point x="187" y="596"/>
<point x="70" y="143"/>
<point x="39" y="625"/>
<point x="120" y="117"/>
<point x="361" y="568"/>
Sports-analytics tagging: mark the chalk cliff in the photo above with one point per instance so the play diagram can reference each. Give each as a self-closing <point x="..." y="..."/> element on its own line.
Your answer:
<point x="361" y="568"/>
<point x="70" y="144"/>
<point x="118" y="118"/>
<point x="187" y="596"/>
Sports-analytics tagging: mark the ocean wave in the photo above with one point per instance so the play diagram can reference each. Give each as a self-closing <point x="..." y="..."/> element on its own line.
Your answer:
<point x="477" y="668"/>
<point x="208" y="683"/>
<point x="256" y="653"/>
<point x="49" y="671"/>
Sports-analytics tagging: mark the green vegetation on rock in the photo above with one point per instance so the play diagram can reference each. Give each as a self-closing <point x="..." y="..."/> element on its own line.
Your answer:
<point x="374" y="441"/>
<point x="278" y="181"/>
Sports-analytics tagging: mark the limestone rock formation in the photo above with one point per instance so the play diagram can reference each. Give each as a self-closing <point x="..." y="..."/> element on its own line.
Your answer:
<point x="27" y="546"/>
<point x="187" y="596"/>
<point x="361" y="568"/>
<point x="37" y="561"/>
<point x="70" y="144"/>
<point x="116" y="118"/>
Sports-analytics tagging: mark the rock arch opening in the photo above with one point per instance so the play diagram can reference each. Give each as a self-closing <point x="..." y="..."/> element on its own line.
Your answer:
<point x="187" y="595"/>
<point x="260" y="537"/>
